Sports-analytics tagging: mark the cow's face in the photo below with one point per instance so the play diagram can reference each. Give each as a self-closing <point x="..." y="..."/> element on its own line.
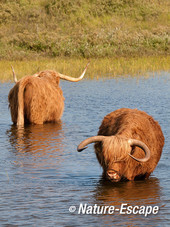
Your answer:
<point x="113" y="156"/>
<point x="112" y="160"/>
<point x="114" y="167"/>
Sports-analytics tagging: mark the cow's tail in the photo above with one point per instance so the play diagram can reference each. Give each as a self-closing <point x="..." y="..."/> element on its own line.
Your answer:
<point x="20" y="119"/>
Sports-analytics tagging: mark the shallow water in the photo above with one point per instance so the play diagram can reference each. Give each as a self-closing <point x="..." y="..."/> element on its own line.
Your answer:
<point x="42" y="174"/>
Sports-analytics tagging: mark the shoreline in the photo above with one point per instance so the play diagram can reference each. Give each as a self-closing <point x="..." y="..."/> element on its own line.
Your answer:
<point x="98" y="68"/>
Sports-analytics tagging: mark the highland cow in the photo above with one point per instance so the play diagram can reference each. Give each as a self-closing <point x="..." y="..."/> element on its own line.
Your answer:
<point x="128" y="145"/>
<point x="38" y="99"/>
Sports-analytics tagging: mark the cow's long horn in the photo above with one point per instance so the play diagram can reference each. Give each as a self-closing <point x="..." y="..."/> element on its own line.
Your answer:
<point x="143" y="146"/>
<point x="14" y="75"/>
<point x="89" y="140"/>
<point x="72" y="79"/>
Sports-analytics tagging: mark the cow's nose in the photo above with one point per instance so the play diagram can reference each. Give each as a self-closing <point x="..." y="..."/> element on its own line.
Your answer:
<point x="113" y="175"/>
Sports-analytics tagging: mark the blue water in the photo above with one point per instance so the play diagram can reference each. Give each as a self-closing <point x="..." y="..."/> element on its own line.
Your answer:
<point x="42" y="174"/>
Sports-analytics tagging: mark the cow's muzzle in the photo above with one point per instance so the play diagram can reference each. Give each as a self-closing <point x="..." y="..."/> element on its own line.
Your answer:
<point x="113" y="175"/>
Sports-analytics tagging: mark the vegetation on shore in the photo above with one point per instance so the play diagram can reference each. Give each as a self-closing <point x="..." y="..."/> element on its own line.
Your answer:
<point x="32" y="29"/>
<point x="98" y="68"/>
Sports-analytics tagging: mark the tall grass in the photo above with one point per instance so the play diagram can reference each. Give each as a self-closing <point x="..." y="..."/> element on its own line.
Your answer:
<point x="98" y="68"/>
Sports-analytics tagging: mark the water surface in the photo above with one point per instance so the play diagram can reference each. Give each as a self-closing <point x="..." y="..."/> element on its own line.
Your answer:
<point x="42" y="174"/>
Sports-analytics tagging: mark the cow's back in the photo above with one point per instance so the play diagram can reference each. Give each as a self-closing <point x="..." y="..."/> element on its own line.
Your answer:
<point x="43" y="101"/>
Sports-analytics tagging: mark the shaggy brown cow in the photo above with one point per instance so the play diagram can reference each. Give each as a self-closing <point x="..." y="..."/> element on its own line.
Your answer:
<point x="38" y="99"/>
<point x="122" y="136"/>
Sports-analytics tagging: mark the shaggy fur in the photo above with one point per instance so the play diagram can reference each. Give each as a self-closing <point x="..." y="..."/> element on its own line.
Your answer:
<point x="36" y="99"/>
<point x="112" y="154"/>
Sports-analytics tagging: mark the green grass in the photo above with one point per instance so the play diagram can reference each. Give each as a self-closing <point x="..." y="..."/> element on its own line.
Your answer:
<point x="97" y="69"/>
<point x="39" y="29"/>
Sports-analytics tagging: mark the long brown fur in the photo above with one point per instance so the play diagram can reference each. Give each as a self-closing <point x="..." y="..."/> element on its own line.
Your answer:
<point x="36" y="99"/>
<point x="129" y="124"/>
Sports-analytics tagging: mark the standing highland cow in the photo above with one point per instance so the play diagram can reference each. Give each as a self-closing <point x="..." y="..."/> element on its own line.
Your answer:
<point x="38" y="99"/>
<point x="128" y="145"/>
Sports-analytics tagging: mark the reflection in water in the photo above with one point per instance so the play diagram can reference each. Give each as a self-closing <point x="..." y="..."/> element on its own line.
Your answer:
<point x="147" y="191"/>
<point x="41" y="141"/>
<point x="133" y="193"/>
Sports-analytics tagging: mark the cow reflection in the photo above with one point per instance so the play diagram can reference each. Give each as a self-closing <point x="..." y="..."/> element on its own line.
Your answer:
<point x="130" y="192"/>
<point x="43" y="142"/>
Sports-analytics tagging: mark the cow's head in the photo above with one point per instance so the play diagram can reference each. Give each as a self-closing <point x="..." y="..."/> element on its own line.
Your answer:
<point x="113" y="153"/>
<point x="54" y="74"/>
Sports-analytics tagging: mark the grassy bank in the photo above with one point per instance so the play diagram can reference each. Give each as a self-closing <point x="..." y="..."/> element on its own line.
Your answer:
<point x="32" y="29"/>
<point x="98" y="68"/>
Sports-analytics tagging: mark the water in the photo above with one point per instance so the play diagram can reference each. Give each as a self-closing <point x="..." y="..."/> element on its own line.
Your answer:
<point x="42" y="174"/>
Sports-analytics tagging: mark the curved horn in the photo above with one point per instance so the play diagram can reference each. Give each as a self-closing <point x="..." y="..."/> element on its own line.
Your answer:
<point x="14" y="75"/>
<point x="143" y="146"/>
<point x="87" y="141"/>
<point x="72" y="79"/>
